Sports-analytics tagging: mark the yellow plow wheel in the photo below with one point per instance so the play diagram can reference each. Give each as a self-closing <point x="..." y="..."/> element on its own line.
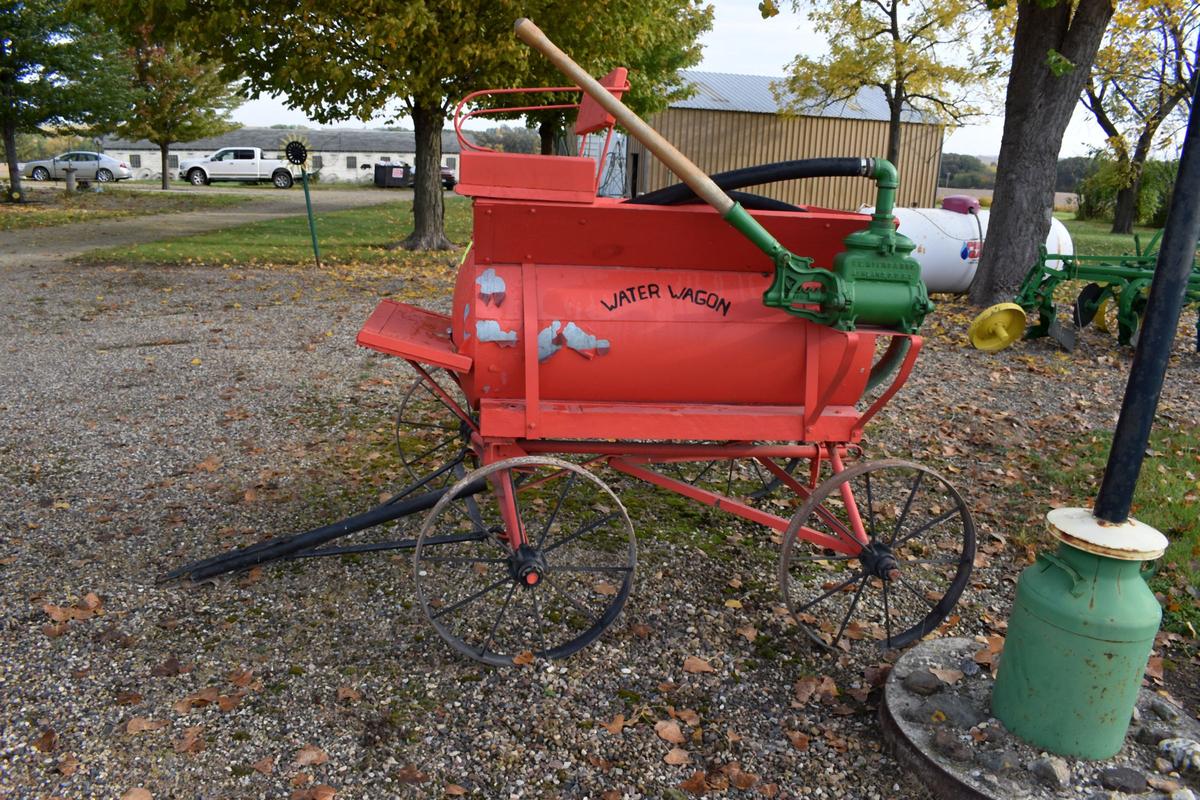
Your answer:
<point x="997" y="327"/>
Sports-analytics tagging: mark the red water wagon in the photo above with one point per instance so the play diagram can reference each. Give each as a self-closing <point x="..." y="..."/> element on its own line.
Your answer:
<point x="592" y="334"/>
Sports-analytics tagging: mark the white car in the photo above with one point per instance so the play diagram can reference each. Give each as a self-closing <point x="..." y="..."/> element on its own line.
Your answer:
<point x="88" y="167"/>
<point x="242" y="164"/>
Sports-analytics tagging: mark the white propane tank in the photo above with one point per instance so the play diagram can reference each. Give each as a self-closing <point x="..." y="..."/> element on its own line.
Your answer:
<point x="950" y="239"/>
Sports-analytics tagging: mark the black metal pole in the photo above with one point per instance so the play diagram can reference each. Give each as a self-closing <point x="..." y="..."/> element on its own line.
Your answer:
<point x="1163" y="308"/>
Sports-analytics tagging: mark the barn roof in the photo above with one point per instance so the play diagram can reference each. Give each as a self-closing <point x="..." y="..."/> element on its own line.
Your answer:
<point x="726" y="91"/>
<point x="321" y="140"/>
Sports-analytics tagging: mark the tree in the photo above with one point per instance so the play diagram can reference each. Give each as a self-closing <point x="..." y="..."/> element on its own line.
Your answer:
<point x="343" y="61"/>
<point x="179" y="97"/>
<point x="57" y="70"/>
<point x="1053" y="47"/>
<point x="1071" y="172"/>
<point x="1141" y="77"/>
<point x="919" y="54"/>
<point x="506" y="139"/>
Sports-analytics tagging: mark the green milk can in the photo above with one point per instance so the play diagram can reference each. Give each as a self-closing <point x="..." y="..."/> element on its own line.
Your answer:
<point x="1079" y="637"/>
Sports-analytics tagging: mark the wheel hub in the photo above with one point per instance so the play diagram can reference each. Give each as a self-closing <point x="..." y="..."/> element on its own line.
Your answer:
<point x="878" y="560"/>
<point x="527" y="566"/>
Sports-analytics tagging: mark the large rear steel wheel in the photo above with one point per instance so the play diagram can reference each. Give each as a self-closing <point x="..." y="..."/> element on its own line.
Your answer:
<point x="549" y="598"/>
<point x="903" y="583"/>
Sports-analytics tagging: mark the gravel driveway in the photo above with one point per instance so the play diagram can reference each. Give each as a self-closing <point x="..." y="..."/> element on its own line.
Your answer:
<point x="159" y="415"/>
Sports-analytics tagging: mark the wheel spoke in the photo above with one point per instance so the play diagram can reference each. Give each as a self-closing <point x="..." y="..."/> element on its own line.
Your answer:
<point x="537" y="616"/>
<point x="496" y="624"/>
<point x="583" y="531"/>
<point x="912" y="494"/>
<point x="580" y="607"/>
<point x="938" y="520"/>
<point x="831" y="592"/>
<point x="554" y="514"/>
<point x="441" y="612"/>
<point x="582" y="568"/>
<point x="461" y="561"/>
<point x="434" y="449"/>
<point x="922" y="597"/>
<point x="850" y="613"/>
<point x="870" y="508"/>
<point x="887" y="615"/>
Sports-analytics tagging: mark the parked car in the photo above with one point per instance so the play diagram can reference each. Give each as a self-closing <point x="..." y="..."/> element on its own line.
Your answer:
<point x="243" y="164"/>
<point x="405" y="176"/>
<point x="88" y="167"/>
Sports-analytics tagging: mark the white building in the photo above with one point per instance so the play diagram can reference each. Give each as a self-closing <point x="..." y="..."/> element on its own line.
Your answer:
<point x="333" y="154"/>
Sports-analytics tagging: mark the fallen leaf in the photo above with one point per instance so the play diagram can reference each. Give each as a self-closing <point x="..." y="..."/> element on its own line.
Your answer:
<point x="192" y="740"/>
<point x="668" y="731"/>
<point x="321" y="791"/>
<point x="410" y="774"/>
<point x="641" y="630"/>
<point x="300" y="778"/>
<point x="611" y="794"/>
<point x="348" y="694"/>
<point x="731" y="603"/>
<point x="677" y="756"/>
<point x="799" y="740"/>
<point x="616" y="726"/>
<point x="1154" y="669"/>
<point x="605" y="588"/>
<point x="687" y="716"/>
<point x="204" y="697"/>
<point x="169" y="668"/>
<point x="265" y="765"/>
<point x="735" y="583"/>
<point x="55" y="630"/>
<point x="137" y="793"/>
<point x="454" y="790"/>
<point x="740" y="778"/>
<point x="46" y="741"/>
<point x="91" y="601"/>
<point x="950" y="676"/>
<point x="252" y="577"/>
<point x="128" y="698"/>
<point x="769" y="790"/>
<point x="805" y="688"/>
<point x="141" y="724"/>
<point x="241" y="678"/>
<point x="68" y="765"/>
<point x="310" y="755"/>
<point x="749" y="632"/>
<point x="694" y="664"/>
<point x="695" y="784"/>
<point x="666" y="687"/>
<point x="210" y="464"/>
<point x="523" y="659"/>
<point x="228" y="702"/>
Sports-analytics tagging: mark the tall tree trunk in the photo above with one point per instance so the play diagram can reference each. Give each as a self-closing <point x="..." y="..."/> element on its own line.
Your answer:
<point x="165" y="159"/>
<point x="1126" y="211"/>
<point x="547" y="133"/>
<point x="429" y="231"/>
<point x="893" y="144"/>
<point x="1037" y="108"/>
<point x="10" y="154"/>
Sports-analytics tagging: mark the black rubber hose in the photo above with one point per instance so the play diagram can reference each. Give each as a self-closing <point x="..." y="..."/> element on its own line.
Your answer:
<point x="761" y="174"/>
<point x="284" y="546"/>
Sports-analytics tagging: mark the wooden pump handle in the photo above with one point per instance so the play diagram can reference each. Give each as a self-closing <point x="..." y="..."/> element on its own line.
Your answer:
<point x="677" y="162"/>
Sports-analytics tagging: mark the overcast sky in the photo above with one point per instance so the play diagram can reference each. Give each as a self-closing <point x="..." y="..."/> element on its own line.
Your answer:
<point x="741" y="41"/>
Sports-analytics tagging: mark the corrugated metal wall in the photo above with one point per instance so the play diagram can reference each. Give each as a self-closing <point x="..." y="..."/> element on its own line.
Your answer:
<point x="722" y="140"/>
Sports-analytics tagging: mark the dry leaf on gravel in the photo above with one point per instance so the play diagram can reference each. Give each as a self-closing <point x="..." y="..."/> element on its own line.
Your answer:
<point x="641" y="630"/>
<point x="740" y="778"/>
<point x="241" y="678"/>
<point x="523" y="659"/>
<point x="141" y="724"/>
<point x="616" y="726"/>
<point x="410" y="774"/>
<point x="321" y="791"/>
<point x="169" y="668"/>
<point x="694" y="664"/>
<point x="732" y="603"/>
<point x="210" y="464"/>
<point x="264" y="766"/>
<point x="695" y="784"/>
<point x="348" y="694"/>
<point x="192" y="740"/>
<point x="805" y="688"/>
<point x="310" y="755"/>
<point x="677" y="756"/>
<point x="454" y="790"/>
<point x="668" y="731"/>
<point x="45" y="741"/>
<point x="228" y="702"/>
<point x="54" y="630"/>
<point x="686" y="715"/>
<point x="799" y="740"/>
<point x="605" y="588"/>
<point x="748" y="632"/>
<point x="128" y="698"/>
<point x="205" y="696"/>
<point x="299" y="779"/>
<point x="137" y="793"/>
<point x="68" y="765"/>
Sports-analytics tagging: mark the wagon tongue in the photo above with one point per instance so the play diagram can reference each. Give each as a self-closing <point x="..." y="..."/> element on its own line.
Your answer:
<point x="874" y="282"/>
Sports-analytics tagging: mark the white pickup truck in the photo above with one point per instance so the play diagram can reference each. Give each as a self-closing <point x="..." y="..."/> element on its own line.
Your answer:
<point x="245" y="164"/>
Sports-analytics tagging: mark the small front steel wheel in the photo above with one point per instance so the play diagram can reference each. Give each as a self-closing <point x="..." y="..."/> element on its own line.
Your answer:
<point x="903" y="583"/>
<point x="429" y="433"/>
<point x="550" y="597"/>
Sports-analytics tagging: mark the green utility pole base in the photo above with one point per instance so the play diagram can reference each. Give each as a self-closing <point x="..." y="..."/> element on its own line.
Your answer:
<point x="312" y="223"/>
<point x="1079" y="637"/>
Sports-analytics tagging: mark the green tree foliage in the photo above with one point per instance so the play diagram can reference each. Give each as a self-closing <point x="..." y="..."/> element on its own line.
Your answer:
<point x="1071" y="172"/>
<point x="338" y="61"/>
<point x="924" y="55"/>
<point x="1143" y="76"/>
<point x="506" y="139"/>
<point x="1053" y="46"/>
<point x="178" y="97"/>
<point x="965" y="172"/>
<point x="1101" y="190"/>
<point x="57" y="70"/>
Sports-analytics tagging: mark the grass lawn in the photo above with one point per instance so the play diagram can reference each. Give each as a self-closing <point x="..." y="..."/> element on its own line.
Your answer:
<point x="1094" y="238"/>
<point x="51" y="205"/>
<point x="361" y="236"/>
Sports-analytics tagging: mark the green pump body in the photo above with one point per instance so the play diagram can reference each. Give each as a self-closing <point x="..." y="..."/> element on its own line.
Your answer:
<point x="1080" y="634"/>
<point x="874" y="281"/>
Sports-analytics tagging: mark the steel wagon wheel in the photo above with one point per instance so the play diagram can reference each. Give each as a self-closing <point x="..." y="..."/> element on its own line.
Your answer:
<point x="552" y="596"/>
<point x="903" y="583"/>
<point x="430" y="433"/>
